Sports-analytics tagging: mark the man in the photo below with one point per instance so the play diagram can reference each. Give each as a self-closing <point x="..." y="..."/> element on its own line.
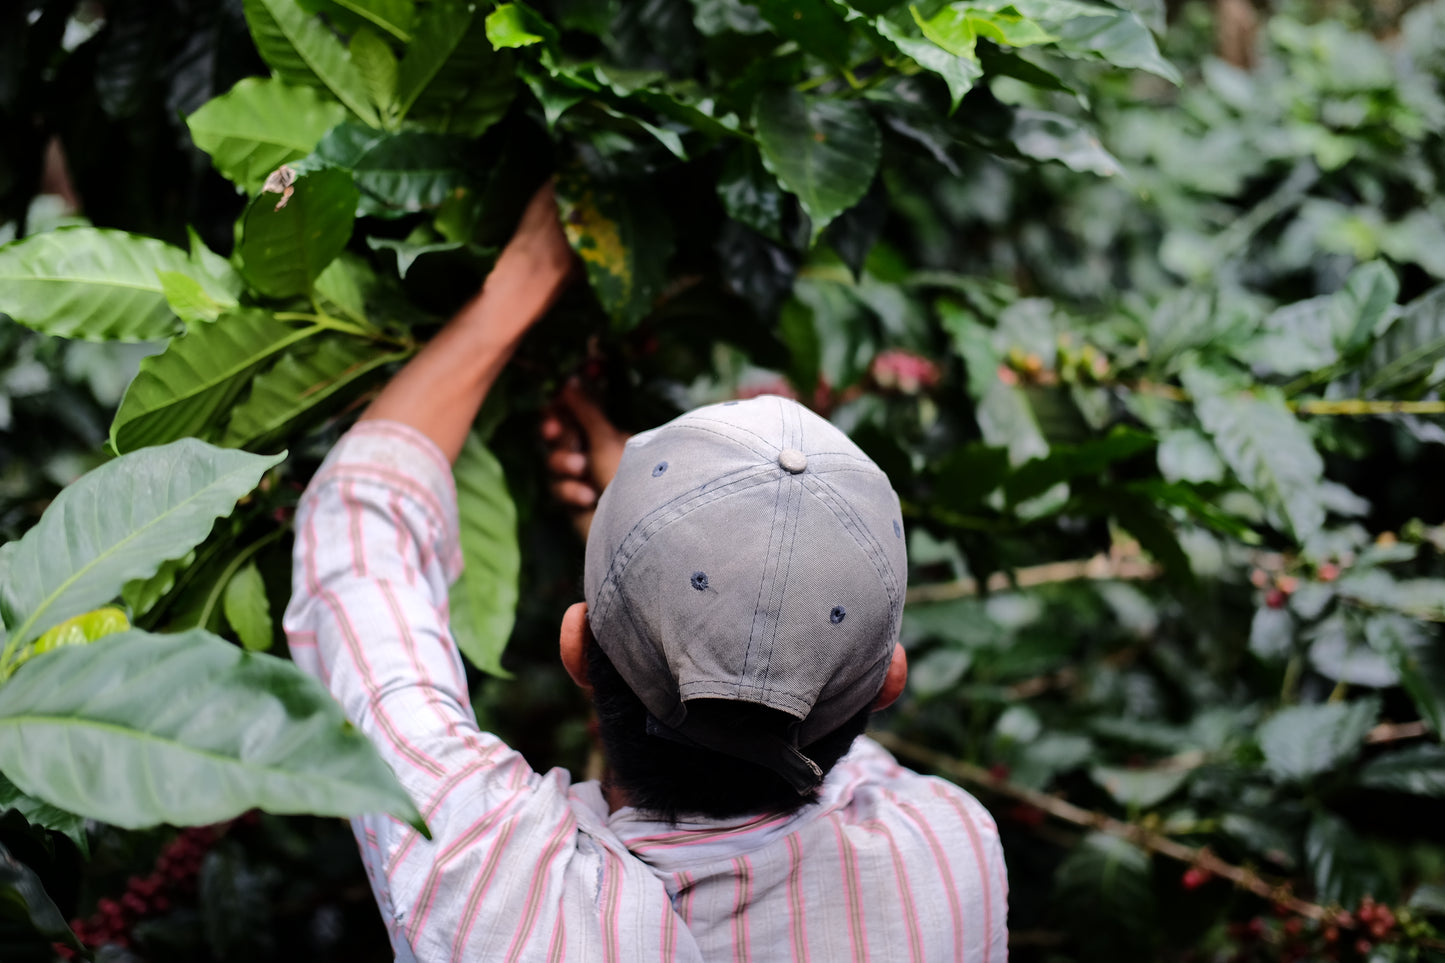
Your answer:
<point x="744" y="585"/>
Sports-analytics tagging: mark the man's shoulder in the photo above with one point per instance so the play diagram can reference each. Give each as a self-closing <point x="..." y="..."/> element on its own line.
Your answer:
<point x="873" y="784"/>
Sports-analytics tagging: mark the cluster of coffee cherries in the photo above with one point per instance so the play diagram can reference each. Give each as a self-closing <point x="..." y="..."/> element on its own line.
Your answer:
<point x="1344" y="935"/>
<point x="172" y="877"/>
<point x="1073" y="364"/>
<point x="1279" y="586"/>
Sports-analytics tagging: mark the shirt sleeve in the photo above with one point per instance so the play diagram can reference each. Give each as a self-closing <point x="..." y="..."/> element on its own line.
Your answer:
<point x="376" y="549"/>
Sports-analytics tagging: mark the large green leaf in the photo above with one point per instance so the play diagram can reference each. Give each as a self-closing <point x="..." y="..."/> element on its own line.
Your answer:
<point x="25" y="906"/>
<point x="398" y="173"/>
<point x="118" y="523"/>
<point x="824" y="151"/>
<point x="1311" y="334"/>
<point x="284" y="249"/>
<point x="750" y="194"/>
<point x="1301" y="742"/>
<point x="484" y="598"/>
<point x="301" y="383"/>
<point x="1084" y="29"/>
<point x="139" y="729"/>
<point x="376" y="62"/>
<point x="1417" y="658"/>
<point x="1416" y="769"/>
<point x="1260" y="439"/>
<point x="260" y="124"/>
<point x="187" y="388"/>
<point x="303" y="50"/>
<point x="623" y="238"/>
<point x="451" y="77"/>
<point x="1411" y="347"/>
<point x="1067" y="462"/>
<point x="90" y="283"/>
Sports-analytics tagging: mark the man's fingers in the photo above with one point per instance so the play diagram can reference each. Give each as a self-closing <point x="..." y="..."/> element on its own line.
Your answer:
<point x="574" y="494"/>
<point x="571" y="464"/>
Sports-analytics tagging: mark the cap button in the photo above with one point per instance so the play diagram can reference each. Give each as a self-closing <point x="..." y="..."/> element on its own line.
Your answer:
<point x="793" y="460"/>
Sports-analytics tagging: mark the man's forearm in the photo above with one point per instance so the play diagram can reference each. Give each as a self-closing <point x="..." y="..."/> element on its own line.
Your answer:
<point x="440" y="391"/>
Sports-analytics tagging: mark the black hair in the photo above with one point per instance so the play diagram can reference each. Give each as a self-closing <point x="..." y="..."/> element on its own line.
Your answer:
<point x="667" y="779"/>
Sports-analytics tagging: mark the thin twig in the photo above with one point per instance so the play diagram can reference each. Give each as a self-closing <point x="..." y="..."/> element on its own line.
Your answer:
<point x="1361" y="406"/>
<point x="1396" y="731"/>
<point x="1242" y="877"/>
<point x="1101" y="567"/>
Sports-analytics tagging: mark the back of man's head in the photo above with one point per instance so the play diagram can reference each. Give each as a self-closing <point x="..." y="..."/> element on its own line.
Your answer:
<point x="744" y="580"/>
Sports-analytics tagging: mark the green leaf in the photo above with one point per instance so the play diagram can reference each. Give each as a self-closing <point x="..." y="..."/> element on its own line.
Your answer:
<point x="1104" y="890"/>
<point x="393" y="16"/>
<point x="300" y="386"/>
<point x="966" y="476"/>
<point x="1138" y="788"/>
<point x="142" y="594"/>
<point x="1046" y="136"/>
<point x="91" y="284"/>
<point x="507" y="27"/>
<point x="90" y="729"/>
<point x="44" y="815"/>
<point x="283" y="250"/>
<point x="824" y="151"/>
<point x="1409" y="349"/>
<point x="398" y="173"/>
<point x="1416" y="657"/>
<point x="25" y="904"/>
<point x="959" y="71"/>
<point x="1007" y="27"/>
<point x="187" y="388"/>
<point x="377" y="64"/>
<point x="1301" y="742"/>
<point x="484" y="598"/>
<point x="247" y="609"/>
<point x="623" y="238"/>
<point x="217" y="276"/>
<point x="1364" y="304"/>
<point x="260" y="124"/>
<point x="78" y="630"/>
<point x="302" y="50"/>
<point x="118" y="523"/>
<point x="189" y="299"/>
<point x="750" y="194"/>
<point x="1260" y="439"/>
<point x="813" y="25"/>
<point x="1186" y="455"/>
<point x="1342" y="864"/>
<point x="451" y="77"/>
<point x="1084" y="29"/>
<point x="1416" y="769"/>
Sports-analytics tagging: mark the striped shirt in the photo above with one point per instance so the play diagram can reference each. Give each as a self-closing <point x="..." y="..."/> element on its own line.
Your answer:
<point x="887" y="865"/>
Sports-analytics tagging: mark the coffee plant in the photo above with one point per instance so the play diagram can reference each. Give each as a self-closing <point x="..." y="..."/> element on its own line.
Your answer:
<point x="1150" y="346"/>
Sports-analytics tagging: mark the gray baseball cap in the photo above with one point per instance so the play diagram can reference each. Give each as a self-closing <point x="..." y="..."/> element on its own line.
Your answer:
<point x="748" y="551"/>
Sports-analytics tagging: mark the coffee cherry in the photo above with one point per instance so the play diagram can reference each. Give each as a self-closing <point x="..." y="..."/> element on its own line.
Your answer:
<point x="1195" y="877"/>
<point x="1275" y="598"/>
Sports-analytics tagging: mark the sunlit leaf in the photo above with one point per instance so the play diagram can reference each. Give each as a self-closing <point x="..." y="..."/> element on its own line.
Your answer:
<point x="247" y="609"/>
<point x="303" y="51"/>
<point x="260" y="124"/>
<point x="187" y="388"/>
<point x="118" y="523"/>
<point x="90" y="728"/>
<point x="90" y="283"/>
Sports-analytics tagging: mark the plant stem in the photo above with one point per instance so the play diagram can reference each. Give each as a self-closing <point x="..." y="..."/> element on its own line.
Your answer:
<point x="1100" y="568"/>
<point x="1361" y="406"/>
<point x="243" y="556"/>
<point x="322" y="320"/>
<point x="1155" y="842"/>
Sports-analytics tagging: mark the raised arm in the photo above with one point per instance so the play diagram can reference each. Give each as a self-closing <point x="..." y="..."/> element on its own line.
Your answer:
<point x="440" y="391"/>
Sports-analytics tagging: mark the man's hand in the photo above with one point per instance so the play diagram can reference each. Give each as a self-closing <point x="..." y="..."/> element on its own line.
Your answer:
<point x="583" y="451"/>
<point x="531" y="270"/>
<point x="440" y="390"/>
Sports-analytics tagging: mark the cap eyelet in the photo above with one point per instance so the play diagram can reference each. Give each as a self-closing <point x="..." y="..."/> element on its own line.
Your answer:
<point x="661" y="467"/>
<point x="897" y="528"/>
<point x="837" y="615"/>
<point x="699" y="581"/>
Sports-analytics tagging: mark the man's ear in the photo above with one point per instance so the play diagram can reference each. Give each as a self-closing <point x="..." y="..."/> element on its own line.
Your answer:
<point x="576" y="635"/>
<point x="894" y="681"/>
